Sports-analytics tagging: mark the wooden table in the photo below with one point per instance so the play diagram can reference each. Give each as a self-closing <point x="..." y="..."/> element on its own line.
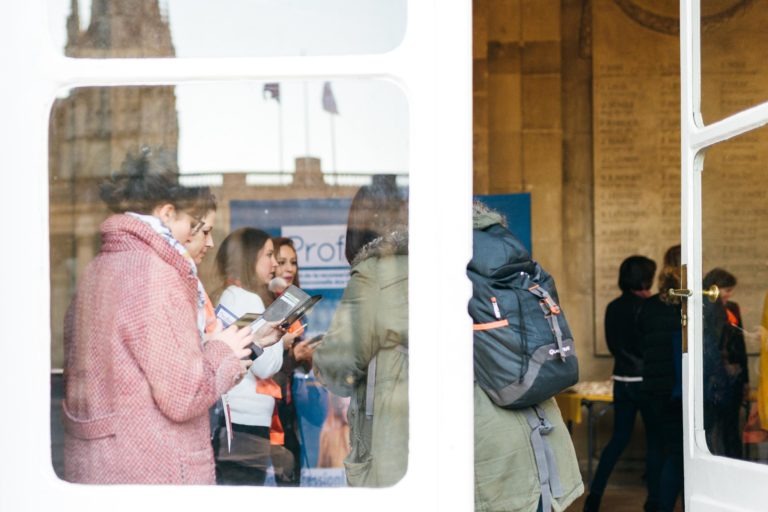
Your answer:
<point x="585" y="395"/>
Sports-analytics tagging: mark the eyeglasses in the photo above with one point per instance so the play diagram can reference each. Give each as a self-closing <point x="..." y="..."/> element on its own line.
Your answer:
<point x="197" y="225"/>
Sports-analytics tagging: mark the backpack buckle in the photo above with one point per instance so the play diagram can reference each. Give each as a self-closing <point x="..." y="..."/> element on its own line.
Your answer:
<point x="549" y="307"/>
<point x="544" y="426"/>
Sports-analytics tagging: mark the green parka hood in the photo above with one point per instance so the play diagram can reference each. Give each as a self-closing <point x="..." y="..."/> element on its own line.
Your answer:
<point x="483" y="216"/>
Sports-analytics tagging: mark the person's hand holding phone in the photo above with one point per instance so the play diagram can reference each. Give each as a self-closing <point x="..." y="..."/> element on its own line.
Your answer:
<point x="237" y="339"/>
<point x="294" y="331"/>
<point x="305" y="350"/>
<point x="268" y="334"/>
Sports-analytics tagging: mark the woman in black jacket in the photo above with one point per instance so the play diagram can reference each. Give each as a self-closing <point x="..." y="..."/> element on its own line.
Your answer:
<point x="726" y="371"/>
<point x="635" y="280"/>
<point x="661" y="337"/>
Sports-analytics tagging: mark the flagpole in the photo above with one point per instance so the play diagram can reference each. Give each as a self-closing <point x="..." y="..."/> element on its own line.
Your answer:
<point x="272" y="89"/>
<point x="280" y="138"/>
<point x="306" y="121"/>
<point x="329" y="105"/>
<point x="333" y="148"/>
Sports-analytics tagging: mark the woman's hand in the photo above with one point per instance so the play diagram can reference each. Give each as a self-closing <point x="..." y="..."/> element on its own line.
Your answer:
<point x="244" y="365"/>
<point x="290" y="338"/>
<point x="268" y="334"/>
<point x="237" y="339"/>
<point x="303" y="351"/>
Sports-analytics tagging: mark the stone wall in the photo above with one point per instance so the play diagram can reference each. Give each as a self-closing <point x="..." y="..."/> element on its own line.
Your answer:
<point x="532" y="129"/>
<point x="577" y="103"/>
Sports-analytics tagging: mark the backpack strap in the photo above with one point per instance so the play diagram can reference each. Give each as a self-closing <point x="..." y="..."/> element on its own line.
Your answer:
<point x="550" y="309"/>
<point x="369" y="388"/>
<point x="371" y="382"/>
<point x="549" y="479"/>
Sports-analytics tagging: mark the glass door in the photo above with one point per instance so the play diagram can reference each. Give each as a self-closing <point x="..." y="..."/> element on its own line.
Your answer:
<point x="723" y="287"/>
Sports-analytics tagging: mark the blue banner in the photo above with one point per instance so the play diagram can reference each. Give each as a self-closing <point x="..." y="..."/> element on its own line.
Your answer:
<point x="517" y="209"/>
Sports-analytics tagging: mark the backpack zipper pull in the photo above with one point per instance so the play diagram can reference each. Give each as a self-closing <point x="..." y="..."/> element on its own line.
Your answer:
<point x="496" y="311"/>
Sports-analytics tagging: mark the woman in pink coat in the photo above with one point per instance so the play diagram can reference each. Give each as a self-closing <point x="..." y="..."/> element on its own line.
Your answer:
<point x="139" y="374"/>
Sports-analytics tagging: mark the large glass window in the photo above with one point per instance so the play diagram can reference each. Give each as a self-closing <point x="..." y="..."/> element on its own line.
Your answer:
<point x="735" y="276"/>
<point x="226" y="28"/>
<point x="319" y="166"/>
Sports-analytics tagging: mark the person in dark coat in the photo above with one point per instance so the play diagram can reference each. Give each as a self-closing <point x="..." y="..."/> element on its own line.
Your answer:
<point x="635" y="280"/>
<point x="660" y="330"/>
<point x="726" y="371"/>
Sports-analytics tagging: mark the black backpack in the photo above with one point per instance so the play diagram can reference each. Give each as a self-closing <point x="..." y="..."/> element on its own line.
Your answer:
<point x="523" y="347"/>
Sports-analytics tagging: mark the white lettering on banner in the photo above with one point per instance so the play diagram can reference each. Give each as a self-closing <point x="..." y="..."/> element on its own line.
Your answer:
<point x="318" y="246"/>
<point x="324" y="279"/>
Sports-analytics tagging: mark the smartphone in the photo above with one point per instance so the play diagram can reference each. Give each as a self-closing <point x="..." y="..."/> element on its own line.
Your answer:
<point x="315" y="340"/>
<point x="300" y="311"/>
<point x="247" y="319"/>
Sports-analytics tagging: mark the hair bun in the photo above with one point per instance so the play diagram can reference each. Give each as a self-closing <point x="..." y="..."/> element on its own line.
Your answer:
<point x="145" y="180"/>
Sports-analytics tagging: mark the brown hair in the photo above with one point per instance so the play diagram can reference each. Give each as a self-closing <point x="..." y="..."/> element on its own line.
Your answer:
<point x="669" y="276"/>
<point x="377" y="209"/>
<point x="720" y="277"/>
<point x="150" y="179"/>
<point x="236" y="262"/>
<point x="281" y="241"/>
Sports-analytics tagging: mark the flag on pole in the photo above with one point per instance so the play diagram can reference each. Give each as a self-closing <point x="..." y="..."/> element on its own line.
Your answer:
<point x="271" y="91"/>
<point x="329" y="102"/>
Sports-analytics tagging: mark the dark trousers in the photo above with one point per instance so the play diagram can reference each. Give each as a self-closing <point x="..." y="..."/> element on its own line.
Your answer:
<point x="247" y="461"/>
<point x="723" y="429"/>
<point x="628" y="400"/>
<point x="287" y="458"/>
<point x="667" y="417"/>
<point x="731" y="431"/>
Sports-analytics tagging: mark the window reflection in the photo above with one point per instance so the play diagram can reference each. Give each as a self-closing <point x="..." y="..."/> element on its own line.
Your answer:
<point x="291" y="171"/>
<point x="227" y="28"/>
<point x="733" y="253"/>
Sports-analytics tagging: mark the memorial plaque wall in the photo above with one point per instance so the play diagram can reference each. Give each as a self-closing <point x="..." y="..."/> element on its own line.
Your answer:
<point x="636" y="91"/>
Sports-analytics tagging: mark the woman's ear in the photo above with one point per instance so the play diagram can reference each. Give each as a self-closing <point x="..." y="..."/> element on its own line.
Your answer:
<point x="165" y="212"/>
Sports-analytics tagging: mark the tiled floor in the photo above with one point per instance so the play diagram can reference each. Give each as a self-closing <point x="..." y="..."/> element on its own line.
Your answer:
<point x="625" y="492"/>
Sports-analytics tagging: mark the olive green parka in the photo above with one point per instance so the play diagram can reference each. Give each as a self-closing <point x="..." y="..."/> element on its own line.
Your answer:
<point x="506" y="473"/>
<point x="372" y="322"/>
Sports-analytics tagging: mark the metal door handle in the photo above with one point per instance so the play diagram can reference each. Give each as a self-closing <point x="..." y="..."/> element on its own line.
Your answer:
<point x="712" y="293"/>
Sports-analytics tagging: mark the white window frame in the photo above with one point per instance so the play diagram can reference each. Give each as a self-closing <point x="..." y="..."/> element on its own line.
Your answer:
<point x="433" y="65"/>
<point x="711" y="482"/>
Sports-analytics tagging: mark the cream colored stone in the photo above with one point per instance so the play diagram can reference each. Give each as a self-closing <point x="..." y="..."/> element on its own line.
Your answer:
<point x="542" y="105"/>
<point x="504" y="21"/>
<point x="541" y="20"/>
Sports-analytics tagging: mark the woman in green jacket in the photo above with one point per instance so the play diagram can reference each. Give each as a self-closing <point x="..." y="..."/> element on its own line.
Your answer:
<point x="507" y="476"/>
<point x="364" y="354"/>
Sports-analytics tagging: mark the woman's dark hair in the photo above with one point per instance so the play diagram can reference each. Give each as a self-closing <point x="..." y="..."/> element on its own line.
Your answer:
<point x="197" y="201"/>
<point x="669" y="277"/>
<point x="636" y="273"/>
<point x="236" y="261"/>
<point x="719" y="277"/>
<point x="149" y="179"/>
<point x="281" y="241"/>
<point x="376" y="210"/>
<point x="673" y="256"/>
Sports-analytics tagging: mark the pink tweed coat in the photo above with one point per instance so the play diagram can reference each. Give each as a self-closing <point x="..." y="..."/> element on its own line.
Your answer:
<point x="138" y="381"/>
